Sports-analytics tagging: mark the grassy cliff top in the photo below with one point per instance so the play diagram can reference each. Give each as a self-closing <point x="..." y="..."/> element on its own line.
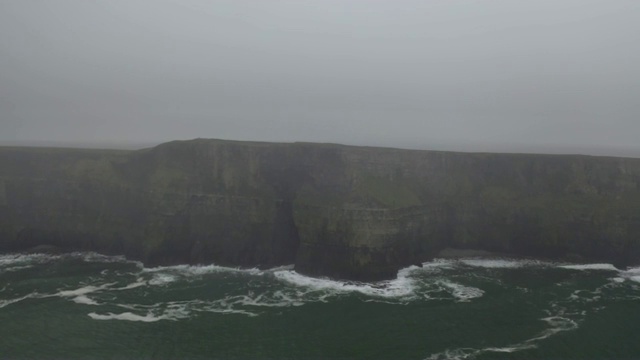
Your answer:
<point x="105" y="149"/>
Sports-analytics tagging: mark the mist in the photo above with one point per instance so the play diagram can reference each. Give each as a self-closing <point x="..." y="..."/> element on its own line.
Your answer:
<point x="537" y="76"/>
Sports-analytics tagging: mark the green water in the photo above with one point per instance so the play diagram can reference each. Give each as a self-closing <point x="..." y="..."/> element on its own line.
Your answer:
<point x="90" y="306"/>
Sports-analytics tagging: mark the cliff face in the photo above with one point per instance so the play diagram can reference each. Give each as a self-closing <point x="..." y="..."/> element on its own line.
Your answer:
<point x="349" y="212"/>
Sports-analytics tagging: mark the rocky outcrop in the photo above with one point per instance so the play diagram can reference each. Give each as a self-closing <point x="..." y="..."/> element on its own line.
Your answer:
<point x="349" y="212"/>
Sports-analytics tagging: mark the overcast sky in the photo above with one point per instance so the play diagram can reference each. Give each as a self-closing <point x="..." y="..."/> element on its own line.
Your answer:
<point x="441" y="74"/>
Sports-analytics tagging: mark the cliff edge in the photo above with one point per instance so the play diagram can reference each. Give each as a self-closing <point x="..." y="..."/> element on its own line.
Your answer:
<point x="341" y="211"/>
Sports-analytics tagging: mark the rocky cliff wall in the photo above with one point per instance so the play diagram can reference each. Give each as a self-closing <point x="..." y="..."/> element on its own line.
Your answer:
<point x="349" y="212"/>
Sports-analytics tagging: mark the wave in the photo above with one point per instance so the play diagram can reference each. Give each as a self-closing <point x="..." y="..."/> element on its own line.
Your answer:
<point x="198" y="270"/>
<point x="412" y="283"/>
<point x="82" y="291"/>
<point x="402" y="286"/>
<point x="20" y="261"/>
<point x="507" y="263"/>
<point x="561" y="316"/>
<point x="176" y="310"/>
<point x="128" y="316"/>
<point x="164" y="275"/>
<point x="460" y="292"/>
<point x="502" y="263"/>
<point x="15" y="268"/>
<point x="470" y="353"/>
<point x="83" y="299"/>
<point x="161" y="279"/>
<point x="15" y="262"/>
<point x="136" y="284"/>
<point x="440" y="279"/>
<point x="604" y="267"/>
<point x="6" y="302"/>
<point x="277" y="299"/>
<point x="558" y="318"/>
<point x="297" y="291"/>
<point x="78" y="296"/>
<point x="631" y="274"/>
<point x="557" y="324"/>
<point x="438" y="264"/>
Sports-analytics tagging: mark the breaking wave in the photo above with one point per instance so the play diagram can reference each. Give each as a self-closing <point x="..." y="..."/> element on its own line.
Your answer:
<point x="114" y="289"/>
<point x="605" y="267"/>
<point x="401" y="287"/>
<point x="149" y="317"/>
<point x="282" y="287"/>
<point x="632" y="274"/>
<point x="501" y="263"/>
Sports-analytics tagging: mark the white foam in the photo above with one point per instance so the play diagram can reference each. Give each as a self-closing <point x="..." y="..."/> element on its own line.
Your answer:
<point x="439" y="263"/>
<point x="558" y="324"/>
<point x="162" y="279"/>
<point x="280" y="268"/>
<point x="138" y="283"/>
<point x="83" y="299"/>
<point x="78" y="292"/>
<point x="20" y="259"/>
<point x="402" y="286"/>
<point x="510" y="349"/>
<point x="276" y="299"/>
<point x="15" y="268"/>
<point x="606" y="267"/>
<point x="232" y="311"/>
<point x="198" y="270"/>
<point x="455" y="354"/>
<point x="632" y="274"/>
<point x="4" y="303"/>
<point x="630" y="277"/>
<point x="222" y="308"/>
<point x="469" y="353"/>
<point x="499" y="263"/>
<point x="82" y="291"/>
<point x="635" y="270"/>
<point x="176" y="310"/>
<point x="461" y="292"/>
<point x="128" y="316"/>
<point x="95" y="257"/>
<point x="161" y="311"/>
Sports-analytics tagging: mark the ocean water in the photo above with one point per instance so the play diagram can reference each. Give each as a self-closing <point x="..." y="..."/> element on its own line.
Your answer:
<point x="89" y="306"/>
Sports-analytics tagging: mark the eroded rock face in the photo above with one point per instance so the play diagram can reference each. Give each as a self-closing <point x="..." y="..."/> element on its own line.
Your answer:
<point x="348" y="212"/>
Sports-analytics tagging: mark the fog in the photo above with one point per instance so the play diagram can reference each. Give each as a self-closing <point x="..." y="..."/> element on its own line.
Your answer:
<point x="502" y="75"/>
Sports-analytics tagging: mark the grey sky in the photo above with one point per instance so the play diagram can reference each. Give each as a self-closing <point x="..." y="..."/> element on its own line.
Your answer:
<point x="485" y="75"/>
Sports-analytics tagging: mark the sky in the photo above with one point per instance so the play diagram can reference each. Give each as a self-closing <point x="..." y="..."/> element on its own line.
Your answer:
<point x="490" y="75"/>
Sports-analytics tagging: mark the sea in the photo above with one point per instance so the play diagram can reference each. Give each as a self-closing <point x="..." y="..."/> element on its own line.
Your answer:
<point x="90" y="306"/>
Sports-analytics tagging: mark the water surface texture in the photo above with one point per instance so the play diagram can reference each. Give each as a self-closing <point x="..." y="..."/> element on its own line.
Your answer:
<point x="86" y="305"/>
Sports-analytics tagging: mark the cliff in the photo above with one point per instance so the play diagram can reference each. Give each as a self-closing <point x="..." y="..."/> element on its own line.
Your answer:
<point x="332" y="210"/>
